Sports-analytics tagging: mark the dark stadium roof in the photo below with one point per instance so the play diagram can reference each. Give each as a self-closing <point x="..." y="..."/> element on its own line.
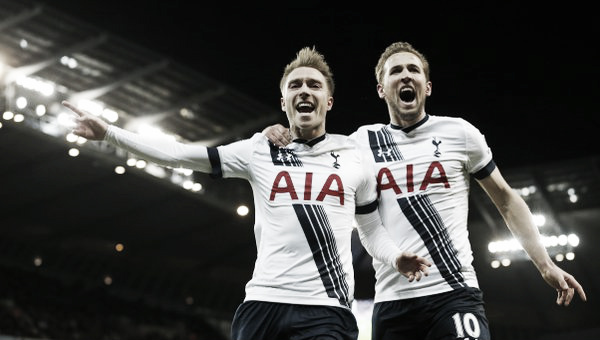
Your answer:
<point x="211" y="76"/>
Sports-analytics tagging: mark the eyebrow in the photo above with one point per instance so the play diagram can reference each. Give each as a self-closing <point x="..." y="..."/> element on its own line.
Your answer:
<point x="410" y="65"/>
<point x="308" y="80"/>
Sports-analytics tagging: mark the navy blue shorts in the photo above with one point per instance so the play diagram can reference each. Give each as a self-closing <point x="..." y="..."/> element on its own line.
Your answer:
<point x="458" y="314"/>
<point x="259" y="320"/>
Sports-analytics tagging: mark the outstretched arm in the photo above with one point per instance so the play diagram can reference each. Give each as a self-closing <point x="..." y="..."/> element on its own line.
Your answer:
<point x="159" y="150"/>
<point x="379" y="244"/>
<point x="519" y="220"/>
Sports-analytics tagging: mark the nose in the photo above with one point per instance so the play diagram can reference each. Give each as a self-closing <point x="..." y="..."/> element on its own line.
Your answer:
<point x="304" y="93"/>
<point x="304" y="87"/>
<point x="406" y="77"/>
<point x="405" y="73"/>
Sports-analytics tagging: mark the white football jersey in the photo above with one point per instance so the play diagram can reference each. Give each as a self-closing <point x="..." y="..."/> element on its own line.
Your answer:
<point x="305" y="197"/>
<point x="423" y="174"/>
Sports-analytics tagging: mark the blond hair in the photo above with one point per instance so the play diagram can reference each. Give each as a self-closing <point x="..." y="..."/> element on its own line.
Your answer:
<point x="309" y="57"/>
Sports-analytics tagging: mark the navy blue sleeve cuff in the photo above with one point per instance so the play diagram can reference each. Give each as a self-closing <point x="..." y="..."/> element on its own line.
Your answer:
<point x="485" y="171"/>
<point x="365" y="209"/>
<point x="215" y="163"/>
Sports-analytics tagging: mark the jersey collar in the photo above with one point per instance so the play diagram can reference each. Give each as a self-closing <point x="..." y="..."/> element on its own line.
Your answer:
<point x="311" y="142"/>
<point x="412" y="127"/>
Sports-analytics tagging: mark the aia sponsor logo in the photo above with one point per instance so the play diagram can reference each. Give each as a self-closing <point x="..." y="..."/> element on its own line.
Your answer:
<point x="284" y="185"/>
<point x="435" y="174"/>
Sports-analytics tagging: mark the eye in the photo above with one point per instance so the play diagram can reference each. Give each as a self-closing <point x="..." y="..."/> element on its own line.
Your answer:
<point x="414" y="69"/>
<point x="395" y="70"/>
<point x="315" y="84"/>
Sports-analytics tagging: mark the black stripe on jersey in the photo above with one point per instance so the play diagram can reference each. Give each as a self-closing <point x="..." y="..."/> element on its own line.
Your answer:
<point x="215" y="163"/>
<point x="383" y="147"/>
<point x="320" y="238"/>
<point x="425" y="219"/>
<point x="365" y="209"/>
<point x="283" y="156"/>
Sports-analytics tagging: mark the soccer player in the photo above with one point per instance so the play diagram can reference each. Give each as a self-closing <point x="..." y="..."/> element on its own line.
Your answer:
<point x="423" y="165"/>
<point x="305" y="195"/>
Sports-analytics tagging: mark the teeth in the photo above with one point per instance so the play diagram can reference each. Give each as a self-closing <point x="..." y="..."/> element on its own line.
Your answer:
<point x="305" y="107"/>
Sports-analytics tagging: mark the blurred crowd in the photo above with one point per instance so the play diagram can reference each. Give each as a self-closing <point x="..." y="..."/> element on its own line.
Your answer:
<point x="37" y="306"/>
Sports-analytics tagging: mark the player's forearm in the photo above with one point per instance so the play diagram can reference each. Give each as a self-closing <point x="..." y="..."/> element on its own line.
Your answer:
<point x="520" y="222"/>
<point x="160" y="150"/>
<point x="375" y="238"/>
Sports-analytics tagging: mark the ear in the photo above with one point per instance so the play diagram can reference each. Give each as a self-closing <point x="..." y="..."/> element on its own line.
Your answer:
<point x="380" y="91"/>
<point x="428" y="89"/>
<point x="282" y="104"/>
<point x="329" y="103"/>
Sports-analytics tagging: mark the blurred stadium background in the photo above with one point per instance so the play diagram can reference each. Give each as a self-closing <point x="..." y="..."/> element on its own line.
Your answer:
<point x="96" y="244"/>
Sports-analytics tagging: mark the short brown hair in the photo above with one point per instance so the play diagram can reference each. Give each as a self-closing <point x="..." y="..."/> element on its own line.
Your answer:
<point x="398" y="47"/>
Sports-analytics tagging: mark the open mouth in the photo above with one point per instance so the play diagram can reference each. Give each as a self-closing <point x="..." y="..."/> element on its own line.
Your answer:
<point x="305" y="107"/>
<point x="407" y="94"/>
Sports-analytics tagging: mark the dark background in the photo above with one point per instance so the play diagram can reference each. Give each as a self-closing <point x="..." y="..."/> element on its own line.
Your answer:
<point x="525" y="75"/>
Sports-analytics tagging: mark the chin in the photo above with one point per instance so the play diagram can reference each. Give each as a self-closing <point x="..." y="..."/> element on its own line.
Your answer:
<point x="306" y="123"/>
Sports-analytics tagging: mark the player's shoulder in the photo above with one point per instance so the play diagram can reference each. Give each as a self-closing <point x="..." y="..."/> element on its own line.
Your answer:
<point x="337" y="136"/>
<point x="371" y="127"/>
<point x="338" y="139"/>
<point x="453" y="125"/>
<point x="341" y="142"/>
<point x="257" y="141"/>
<point x="446" y="118"/>
<point x="363" y="129"/>
<point x="259" y="138"/>
<point x="450" y="120"/>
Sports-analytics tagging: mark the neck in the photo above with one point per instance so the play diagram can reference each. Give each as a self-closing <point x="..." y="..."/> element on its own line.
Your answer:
<point x="406" y="119"/>
<point x="307" y="134"/>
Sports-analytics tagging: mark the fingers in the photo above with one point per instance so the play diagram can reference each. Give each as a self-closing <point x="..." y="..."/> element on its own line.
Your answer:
<point x="284" y="136"/>
<point x="424" y="265"/>
<point x="418" y="274"/>
<point x="567" y="291"/>
<point x="288" y="136"/>
<point x="565" y="296"/>
<point x="569" y="297"/>
<point x="68" y="105"/>
<point x="73" y="108"/>
<point x="413" y="267"/>
<point x="581" y="293"/>
<point x="282" y="140"/>
<point x="278" y="135"/>
<point x="573" y="286"/>
<point x="78" y="129"/>
<point x="425" y="269"/>
<point x="576" y="287"/>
